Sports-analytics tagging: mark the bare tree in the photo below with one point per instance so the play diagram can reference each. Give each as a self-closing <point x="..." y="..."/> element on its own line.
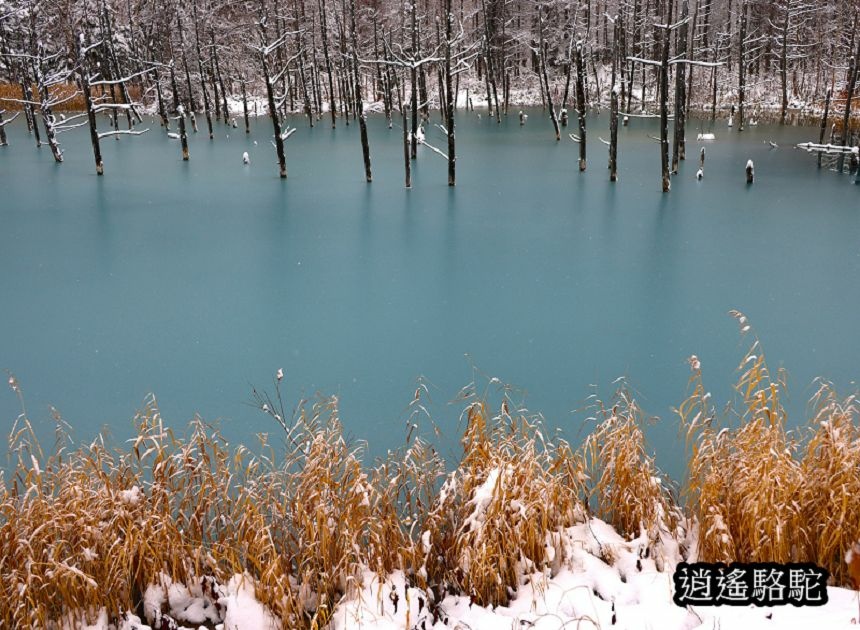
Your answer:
<point x="265" y="50"/>
<point x="679" y="144"/>
<point x="850" y="87"/>
<point x="580" y="100"/>
<point x="180" y="115"/>
<point x="359" y="103"/>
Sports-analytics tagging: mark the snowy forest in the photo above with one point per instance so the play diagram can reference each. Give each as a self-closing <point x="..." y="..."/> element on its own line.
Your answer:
<point x="202" y="63"/>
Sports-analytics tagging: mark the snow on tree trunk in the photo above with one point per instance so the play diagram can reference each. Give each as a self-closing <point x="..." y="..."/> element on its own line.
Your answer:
<point x="83" y="73"/>
<point x="545" y="81"/>
<point x="580" y="102"/>
<point x="664" y="100"/>
<point x="206" y="109"/>
<point x="180" y="115"/>
<point x="359" y="102"/>
<point x="742" y="63"/>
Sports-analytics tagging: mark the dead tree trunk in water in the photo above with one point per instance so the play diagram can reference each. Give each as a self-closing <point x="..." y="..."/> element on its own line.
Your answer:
<point x="192" y="105"/>
<point x="27" y="97"/>
<point x="359" y="103"/>
<point x="783" y="63"/>
<point x="414" y="80"/>
<point x="664" y="99"/>
<point x="824" y="121"/>
<point x="114" y="66"/>
<point x="162" y="110"/>
<point x="83" y="73"/>
<point x="491" y="75"/>
<point x="299" y="13"/>
<point x="853" y="71"/>
<point x="4" y="141"/>
<point x="613" y="104"/>
<point x="407" y="162"/>
<point x="742" y="64"/>
<point x="613" y="135"/>
<point x="220" y="80"/>
<point x="206" y="109"/>
<point x="545" y="82"/>
<point x="245" y="107"/>
<point x="326" y="56"/>
<point x="29" y="110"/>
<point x="567" y="73"/>
<point x="451" y="96"/>
<point x="180" y="114"/>
<point x="48" y="117"/>
<point x="580" y="102"/>
<point x="18" y="72"/>
<point x="276" y="123"/>
<point x="679" y="144"/>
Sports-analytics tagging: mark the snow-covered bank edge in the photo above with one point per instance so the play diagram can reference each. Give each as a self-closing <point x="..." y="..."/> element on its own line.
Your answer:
<point x="594" y="578"/>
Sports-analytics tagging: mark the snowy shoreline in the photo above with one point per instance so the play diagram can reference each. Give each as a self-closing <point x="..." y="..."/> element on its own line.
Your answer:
<point x="596" y="579"/>
<point x="526" y="530"/>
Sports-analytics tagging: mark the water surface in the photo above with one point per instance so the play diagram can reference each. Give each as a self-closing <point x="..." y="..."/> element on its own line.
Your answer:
<point x="197" y="280"/>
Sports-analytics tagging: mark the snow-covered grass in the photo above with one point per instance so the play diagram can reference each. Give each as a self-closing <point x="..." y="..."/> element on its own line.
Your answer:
<point x="526" y="530"/>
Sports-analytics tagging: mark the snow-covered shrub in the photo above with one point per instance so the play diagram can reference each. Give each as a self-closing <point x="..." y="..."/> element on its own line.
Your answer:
<point x="628" y="491"/>
<point x="745" y="481"/>
<point x="831" y="484"/>
<point x="500" y="511"/>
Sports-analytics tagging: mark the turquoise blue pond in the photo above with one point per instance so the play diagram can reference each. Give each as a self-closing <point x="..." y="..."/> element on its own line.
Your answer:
<point x="198" y="280"/>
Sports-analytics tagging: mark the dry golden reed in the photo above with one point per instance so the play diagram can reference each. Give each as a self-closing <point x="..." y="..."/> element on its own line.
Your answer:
<point x="95" y="526"/>
<point x="762" y="493"/>
<point x="629" y="491"/>
<point x="499" y="512"/>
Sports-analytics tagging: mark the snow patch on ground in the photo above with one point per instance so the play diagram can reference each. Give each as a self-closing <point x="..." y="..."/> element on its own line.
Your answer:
<point x="596" y="579"/>
<point x="604" y="582"/>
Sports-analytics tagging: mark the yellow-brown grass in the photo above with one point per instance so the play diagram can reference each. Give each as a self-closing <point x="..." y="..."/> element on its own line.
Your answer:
<point x="744" y="481"/>
<point x="762" y="493"/>
<point x="93" y="527"/>
<point x="629" y="491"/>
<point x="831" y="483"/>
<point x="10" y="94"/>
<point x="500" y="511"/>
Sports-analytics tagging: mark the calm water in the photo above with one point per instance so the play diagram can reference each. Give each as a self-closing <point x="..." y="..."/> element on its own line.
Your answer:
<point x="197" y="280"/>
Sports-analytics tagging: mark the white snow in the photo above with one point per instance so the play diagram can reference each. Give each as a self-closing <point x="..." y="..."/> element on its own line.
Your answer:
<point x="481" y="499"/>
<point x="132" y="496"/>
<point x="244" y="612"/>
<point x="594" y="579"/>
<point x="604" y="582"/>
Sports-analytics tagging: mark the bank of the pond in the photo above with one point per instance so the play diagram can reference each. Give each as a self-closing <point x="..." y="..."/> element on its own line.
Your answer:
<point x="303" y="533"/>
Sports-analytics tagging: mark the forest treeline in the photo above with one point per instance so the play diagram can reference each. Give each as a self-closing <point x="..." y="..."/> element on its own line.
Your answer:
<point x="200" y="62"/>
